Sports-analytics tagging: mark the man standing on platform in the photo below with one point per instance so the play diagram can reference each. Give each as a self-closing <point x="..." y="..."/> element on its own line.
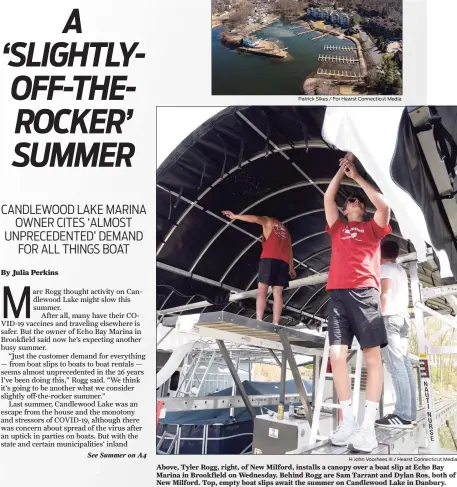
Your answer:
<point x="394" y="305"/>
<point x="276" y="261"/>
<point x="355" y="309"/>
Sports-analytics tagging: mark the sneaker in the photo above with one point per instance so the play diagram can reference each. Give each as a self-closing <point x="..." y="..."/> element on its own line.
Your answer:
<point x="393" y="421"/>
<point x="342" y="434"/>
<point x="364" y="440"/>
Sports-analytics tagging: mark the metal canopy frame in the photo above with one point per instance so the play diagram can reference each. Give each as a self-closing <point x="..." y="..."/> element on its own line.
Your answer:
<point x="311" y="139"/>
<point x="312" y="144"/>
<point x="275" y="149"/>
<point x="422" y="344"/>
<point x="294" y="284"/>
<point x="285" y="335"/>
<point x="229" y="223"/>
<point x="240" y="255"/>
<point x="222" y="325"/>
<point x="289" y="355"/>
<point x="272" y="147"/>
<point x="224" y="321"/>
<point x="224" y="402"/>
<point x="305" y="281"/>
<point x="235" y="377"/>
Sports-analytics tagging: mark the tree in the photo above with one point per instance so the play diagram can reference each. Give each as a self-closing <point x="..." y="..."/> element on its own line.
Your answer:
<point x="289" y="8"/>
<point x="370" y="80"/>
<point x="387" y="80"/>
<point x="239" y="17"/>
<point x="357" y="19"/>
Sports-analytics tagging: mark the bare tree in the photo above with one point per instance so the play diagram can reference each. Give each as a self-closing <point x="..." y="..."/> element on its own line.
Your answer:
<point x="288" y="8"/>
<point x="241" y="15"/>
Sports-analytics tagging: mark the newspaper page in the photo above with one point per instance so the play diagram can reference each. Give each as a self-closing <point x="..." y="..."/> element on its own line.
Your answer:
<point x="257" y="396"/>
<point x="77" y="214"/>
<point x="280" y="283"/>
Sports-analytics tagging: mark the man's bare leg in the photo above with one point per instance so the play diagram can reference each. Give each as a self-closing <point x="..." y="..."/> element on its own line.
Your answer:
<point x="374" y="384"/>
<point x="277" y="303"/>
<point x="261" y="301"/>
<point x="338" y="355"/>
<point x="374" y="373"/>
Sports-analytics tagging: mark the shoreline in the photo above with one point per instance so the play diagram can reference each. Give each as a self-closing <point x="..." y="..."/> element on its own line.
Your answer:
<point x="315" y="83"/>
<point x="263" y="47"/>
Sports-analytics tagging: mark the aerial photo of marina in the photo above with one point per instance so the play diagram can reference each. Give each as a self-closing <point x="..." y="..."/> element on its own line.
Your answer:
<point x="296" y="47"/>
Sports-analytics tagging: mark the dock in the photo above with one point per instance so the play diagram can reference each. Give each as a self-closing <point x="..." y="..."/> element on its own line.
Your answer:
<point x="331" y="47"/>
<point x="338" y="72"/>
<point x="320" y="37"/>
<point x="337" y="59"/>
<point x="280" y="54"/>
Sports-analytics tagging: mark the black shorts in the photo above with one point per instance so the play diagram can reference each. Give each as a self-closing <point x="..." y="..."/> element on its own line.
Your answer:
<point x="356" y="312"/>
<point x="274" y="272"/>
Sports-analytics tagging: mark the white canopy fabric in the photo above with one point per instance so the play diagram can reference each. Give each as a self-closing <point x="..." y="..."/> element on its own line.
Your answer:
<point x="355" y="129"/>
<point x="173" y="363"/>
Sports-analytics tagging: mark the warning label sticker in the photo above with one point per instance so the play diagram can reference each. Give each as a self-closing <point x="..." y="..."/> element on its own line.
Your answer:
<point x="273" y="432"/>
<point x="424" y="369"/>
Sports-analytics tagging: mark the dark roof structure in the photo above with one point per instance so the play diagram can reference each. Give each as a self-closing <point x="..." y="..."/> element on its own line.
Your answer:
<point x="266" y="161"/>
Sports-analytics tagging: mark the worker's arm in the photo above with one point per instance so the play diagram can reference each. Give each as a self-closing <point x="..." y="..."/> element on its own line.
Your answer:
<point x="382" y="214"/>
<point x="261" y="220"/>
<point x="330" y="206"/>
<point x="292" y="272"/>
<point x="386" y="292"/>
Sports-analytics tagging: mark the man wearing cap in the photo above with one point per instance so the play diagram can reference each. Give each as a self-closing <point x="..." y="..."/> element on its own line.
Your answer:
<point x="355" y="309"/>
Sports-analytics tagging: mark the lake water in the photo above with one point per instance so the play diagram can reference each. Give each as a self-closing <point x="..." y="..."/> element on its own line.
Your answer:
<point x="241" y="74"/>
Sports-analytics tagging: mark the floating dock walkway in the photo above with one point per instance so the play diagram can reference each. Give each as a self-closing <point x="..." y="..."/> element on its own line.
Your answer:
<point x="338" y="72"/>
<point x="331" y="47"/>
<point x="337" y="59"/>
<point x="320" y="37"/>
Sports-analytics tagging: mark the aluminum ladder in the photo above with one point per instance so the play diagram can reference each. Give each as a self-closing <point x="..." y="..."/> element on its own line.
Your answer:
<point x="314" y="436"/>
<point x="167" y="436"/>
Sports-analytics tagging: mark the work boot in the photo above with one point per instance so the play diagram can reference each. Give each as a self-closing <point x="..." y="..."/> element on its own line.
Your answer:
<point x="342" y="434"/>
<point x="364" y="440"/>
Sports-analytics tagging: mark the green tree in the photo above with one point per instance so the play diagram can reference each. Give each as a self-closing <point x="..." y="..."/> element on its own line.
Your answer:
<point x="388" y="78"/>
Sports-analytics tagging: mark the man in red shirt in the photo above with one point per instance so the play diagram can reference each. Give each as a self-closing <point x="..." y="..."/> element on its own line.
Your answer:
<point x="355" y="310"/>
<point x="276" y="261"/>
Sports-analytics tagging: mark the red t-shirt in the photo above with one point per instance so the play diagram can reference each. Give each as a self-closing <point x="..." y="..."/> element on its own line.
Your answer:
<point x="277" y="245"/>
<point x="356" y="254"/>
